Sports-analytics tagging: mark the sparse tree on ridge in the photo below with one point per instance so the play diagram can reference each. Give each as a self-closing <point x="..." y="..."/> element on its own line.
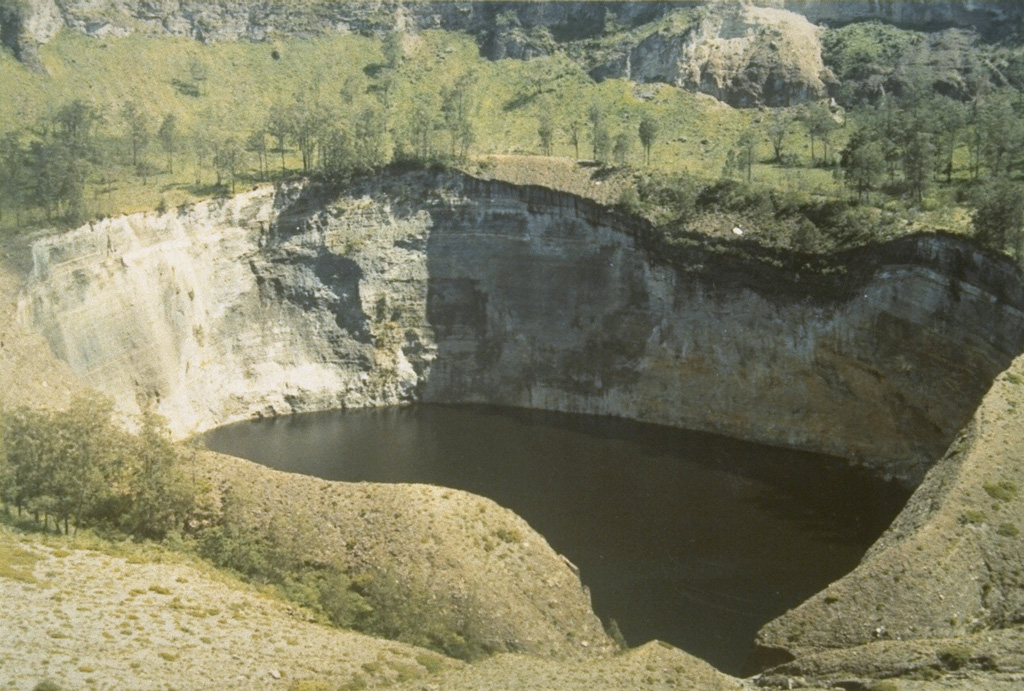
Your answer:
<point x="257" y="143"/>
<point x="575" y="132"/>
<point x="950" y="121"/>
<point x="746" y="151"/>
<point x="168" y="136"/>
<point x="862" y="163"/>
<point x="623" y="148"/>
<point x="998" y="218"/>
<point x="137" y="129"/>
<point x="820" y="126"/>
<point x="599" y="137"/>
<point x="456" y="114"/>
<point x="546" y="130"/>
<point x="227" y="159"/>
<point x="777" y="131"/>
<point x="278" y="127"/>
<point x="649" y="130"/>
<point x="371" y="137"/>
<point x="393" y="48"/>
<point x="202" y="147"/>
<point x="13" y="174"/>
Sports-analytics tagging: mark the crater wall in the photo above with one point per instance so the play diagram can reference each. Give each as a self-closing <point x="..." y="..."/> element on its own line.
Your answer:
<point x="452" y="289"/>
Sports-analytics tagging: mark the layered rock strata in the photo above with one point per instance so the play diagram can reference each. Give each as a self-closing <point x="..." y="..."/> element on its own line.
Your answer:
<point x="452" y="289"/>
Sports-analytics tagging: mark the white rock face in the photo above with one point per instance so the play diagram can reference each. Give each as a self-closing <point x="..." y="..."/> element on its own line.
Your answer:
<point x="458" y="290"/>
<point x="189" y="310"/>
<point x="739" y="53"/>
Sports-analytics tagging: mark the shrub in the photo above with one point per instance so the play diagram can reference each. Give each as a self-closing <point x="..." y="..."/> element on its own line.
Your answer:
<point x="1004" y="490"/>
<point x="1008" y="530"/>
<point x="971" y="517"/>
<point x="954" y="657"/>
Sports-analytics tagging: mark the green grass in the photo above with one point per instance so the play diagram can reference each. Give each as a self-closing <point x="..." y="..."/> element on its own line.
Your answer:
<point x="16" y="563"/>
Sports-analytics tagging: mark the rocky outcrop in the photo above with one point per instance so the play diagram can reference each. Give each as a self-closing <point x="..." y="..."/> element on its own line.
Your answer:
<point x="739" y="53"/>
<point x="452" y="289"/>
<point x="26" y="24"/>
<point x="233" y="20"/>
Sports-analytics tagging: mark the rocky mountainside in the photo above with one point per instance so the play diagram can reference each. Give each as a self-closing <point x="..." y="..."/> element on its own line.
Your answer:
<point x="744" y="52"/>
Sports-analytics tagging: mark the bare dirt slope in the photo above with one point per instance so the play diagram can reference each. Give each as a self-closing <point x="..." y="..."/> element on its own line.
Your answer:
<point x="84" y="618"/>
<point x="950" y="570"/>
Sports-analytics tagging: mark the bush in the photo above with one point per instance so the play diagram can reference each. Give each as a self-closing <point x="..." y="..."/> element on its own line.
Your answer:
<point x="1008" y="530"/>
<point x="78" y="466"/>
<point x="1004" y="490"/>
<point x="971" y="517"/>
<point x="954" y="657"/>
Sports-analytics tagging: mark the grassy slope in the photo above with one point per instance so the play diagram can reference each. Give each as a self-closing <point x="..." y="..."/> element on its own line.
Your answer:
<point x="245" y="80"/>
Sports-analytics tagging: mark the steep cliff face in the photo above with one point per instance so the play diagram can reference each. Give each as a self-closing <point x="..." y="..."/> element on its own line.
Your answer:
<point x="452" y="289"/>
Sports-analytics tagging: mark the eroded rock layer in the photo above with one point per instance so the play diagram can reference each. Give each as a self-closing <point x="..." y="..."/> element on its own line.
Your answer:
<point x="452" y="289"/>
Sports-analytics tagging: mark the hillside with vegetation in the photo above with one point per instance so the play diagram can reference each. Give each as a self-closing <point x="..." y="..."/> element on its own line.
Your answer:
<point x="923" y="131"/>
<point x="879" y="131"/>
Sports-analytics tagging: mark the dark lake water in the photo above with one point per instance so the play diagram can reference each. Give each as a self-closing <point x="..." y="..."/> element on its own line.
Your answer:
<point x="690" y="538"/>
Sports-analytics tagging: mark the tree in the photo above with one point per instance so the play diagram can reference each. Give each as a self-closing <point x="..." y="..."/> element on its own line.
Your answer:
<point x="59" y="174"/>
<point x="371" y="137"/>
<point x="202" y="145"/>
<point x="820" y="126"/>
<point x="137" y="129"/>
<point x="423" y="122"/>
<point x="950" y="120"/>
<point x="307" y="119"/>
<point x="998" y="217"/>
<point x="456" y="111"/>
<point x="623" y="148"/>
<point x="393" y="48"/>
<point x="918" y="160"/>
<point x="546" y="130"/>
<point x="13" y="174"/>
<point x="74" y="127"/>
<point x="168" y="136"/>
<point x="161" y="496"/>
<point x="227" y="158"/>
<point x="278" y="126"/>
<point x="599" y="136"/>
<point x="198" y="72"/>
<point x="575" y="132"/>
<point x="602" y="144"/>
<point x="777" y="131"/>
<point x="337" y="153"/>
<point x="746" y="151"/>
<point x="649" y="130"/>
<point x="257" y="143"/>
<point x="862" y="162"/>
<point x="1002" y="134"/>
<point x="62" y="464"/>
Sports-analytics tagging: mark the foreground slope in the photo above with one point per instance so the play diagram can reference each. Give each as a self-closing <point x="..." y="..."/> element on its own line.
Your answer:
<point x="951" y="567"/>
